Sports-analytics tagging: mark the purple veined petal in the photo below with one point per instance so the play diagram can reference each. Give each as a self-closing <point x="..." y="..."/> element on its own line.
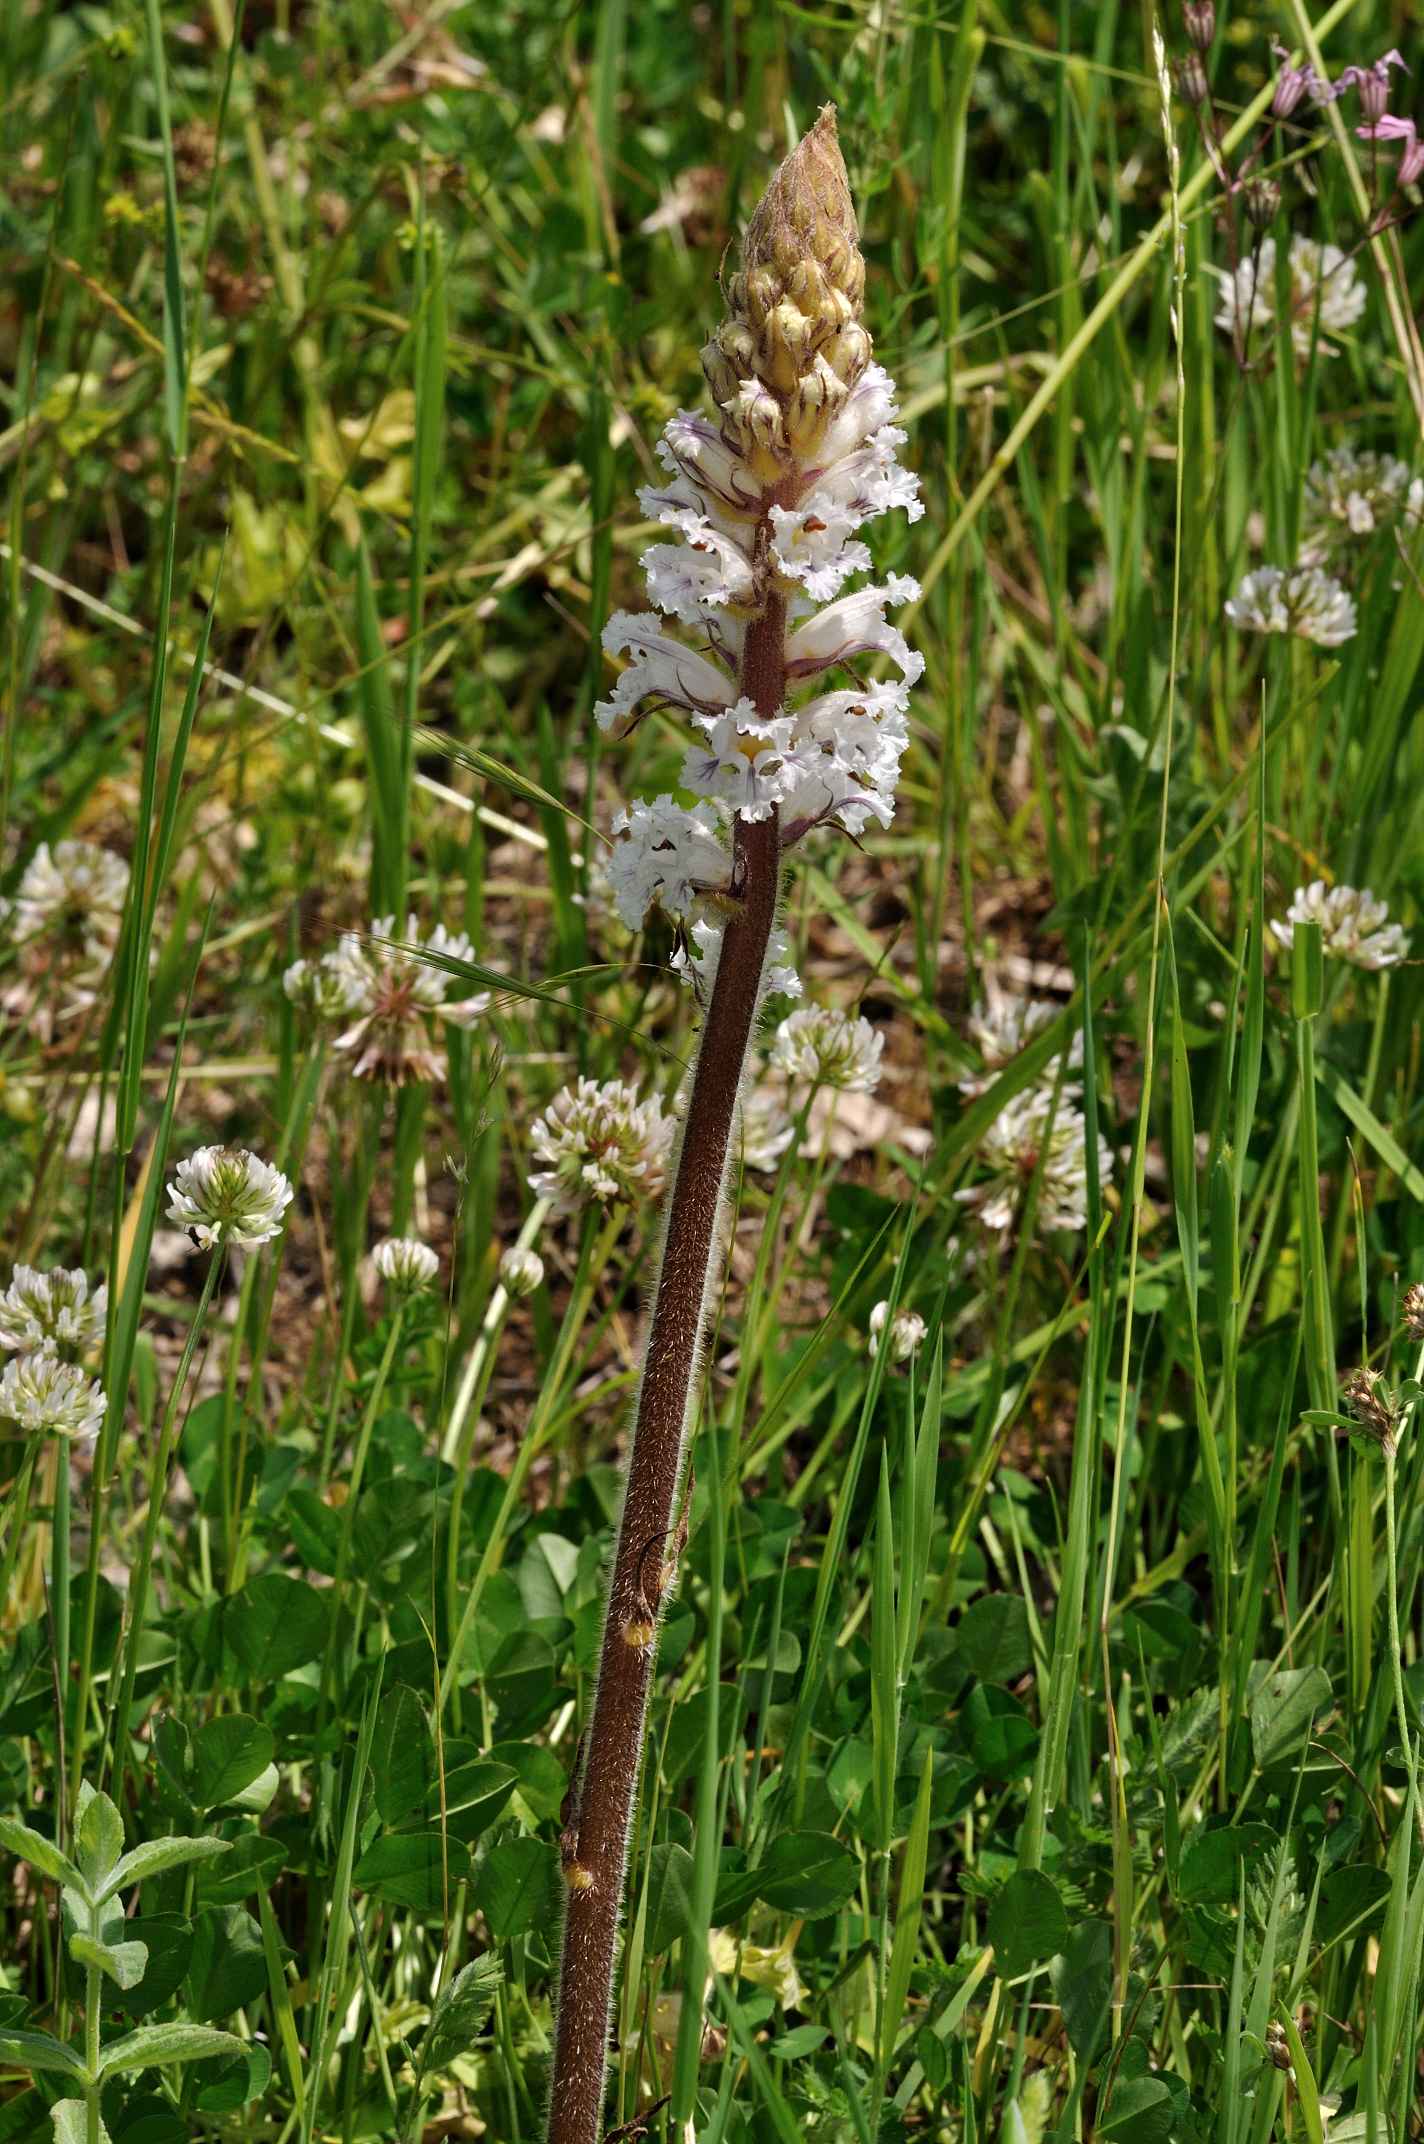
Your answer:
<point x="854" y="626"/>
<point x="693" y="446"/>
<point x="1390" y="127"/>
<point x="660" y="668"/>
<point x="688" y="580"/>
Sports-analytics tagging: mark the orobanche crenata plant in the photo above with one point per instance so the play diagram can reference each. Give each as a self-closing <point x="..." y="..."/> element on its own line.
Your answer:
<point x="765" y="496"/>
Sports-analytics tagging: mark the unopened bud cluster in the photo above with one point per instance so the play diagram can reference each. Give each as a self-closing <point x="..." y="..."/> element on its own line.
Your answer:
<point x="783" y="363"/>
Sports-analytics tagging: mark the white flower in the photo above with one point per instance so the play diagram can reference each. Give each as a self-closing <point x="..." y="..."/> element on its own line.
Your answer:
<point x="600" y="1141"/>
<point x="405" y="1263"/>
<point x="75" y="891"/>
<point x="662" y="670"/>
<point x="693" y="447"/>
<point x="1350" y="493"/>
<point x="321" y="988"/>
<point x="826" y="1048"/>
<point x="811" y="546"/>
<point x="224" y="1194"/>
<point x="689" y="579"/>
<point x="1001" y="1029"/>
<point x="852" y="627"/>
<point x="766" y="1126"/>
<point x="1324" y="290"/>
<point x="44" y="1395"/>
<point x="1354" y="926"/>
<point x="835" y="760"/>
<point x="730" y="1954"/>
<point x="907" y="1330"/>
<point x="868" y="414"/>
<point x="747" y="764"/>
<point x="65" y="921"/>
<point x="665" y="854"/>
<point x="764" y="500"/>
<point x="848" y="747"/>
<point x="401" y="998"/>
<point x="1029" y="1128"/>
<point x="696" y="959"/>
<point x="1305" y="601"/>
<point x="52" y="1313"/>
<point x="521" y="1272"/>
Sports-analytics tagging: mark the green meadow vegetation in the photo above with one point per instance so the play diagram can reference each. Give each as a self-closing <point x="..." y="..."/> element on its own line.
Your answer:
<point x="1037" y="1688"/>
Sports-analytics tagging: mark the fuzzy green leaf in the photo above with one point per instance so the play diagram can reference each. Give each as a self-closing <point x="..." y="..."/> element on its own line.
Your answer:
<point x="124" y="1963"/>
<point x="155" y="1855"/>
<point x="151" y="2047"/>
<point x="461" y="2010"/>
<point x="71" y="2123"/>
<point x="41" y="1853"/>
<point x="40" y="2051"/>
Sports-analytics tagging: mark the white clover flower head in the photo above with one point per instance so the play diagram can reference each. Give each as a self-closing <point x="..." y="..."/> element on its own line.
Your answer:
<point x="600" y="1141"/>
<point x="907" y="1332"/>
<point x="1349" y="494"/>
<point x="1326" y="297"/>
<point x="44" y="1396"/>
<point x="520" y="1272"/>
<point x="821" y="1047"/>
<point x="1306" y="601"/>
<point x="52" y="1313"/>
<point x="1002" y="1027"/>
<point x="75" y="893"/>
<point x="225" y="1195"/>
<point x="319" y="988"/>
<point x="401" y="1000"/>
<point x="1354" y="925"/>
<point x="405" y="1264"/>
<point x="1030" y="1131"/>
<point x="666" y="855"/>
<point x="65" y="921"/>
<point x="766" y="1125"/>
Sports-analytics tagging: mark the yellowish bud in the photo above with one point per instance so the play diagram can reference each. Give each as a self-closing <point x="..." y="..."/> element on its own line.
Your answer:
<point x="808" y="286"/>
<point x="819" y="397"/>
<point x="760" y="414"/>
<point x="848" y="353"/>
<point x="760" y="293"/>
<point x="785" y="345"/>
<point x="718" y="373"/>
<point x="738" y="346"/>
<point x="577" y="1877"/>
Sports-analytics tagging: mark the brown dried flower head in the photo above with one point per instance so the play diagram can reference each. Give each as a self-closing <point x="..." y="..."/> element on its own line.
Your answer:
<point x="1374" y="1408"/>
<point x="1413" y="1310"/>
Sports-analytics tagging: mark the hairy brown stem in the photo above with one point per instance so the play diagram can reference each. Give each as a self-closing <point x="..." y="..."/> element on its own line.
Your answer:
<point x="601" y="1809"/>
